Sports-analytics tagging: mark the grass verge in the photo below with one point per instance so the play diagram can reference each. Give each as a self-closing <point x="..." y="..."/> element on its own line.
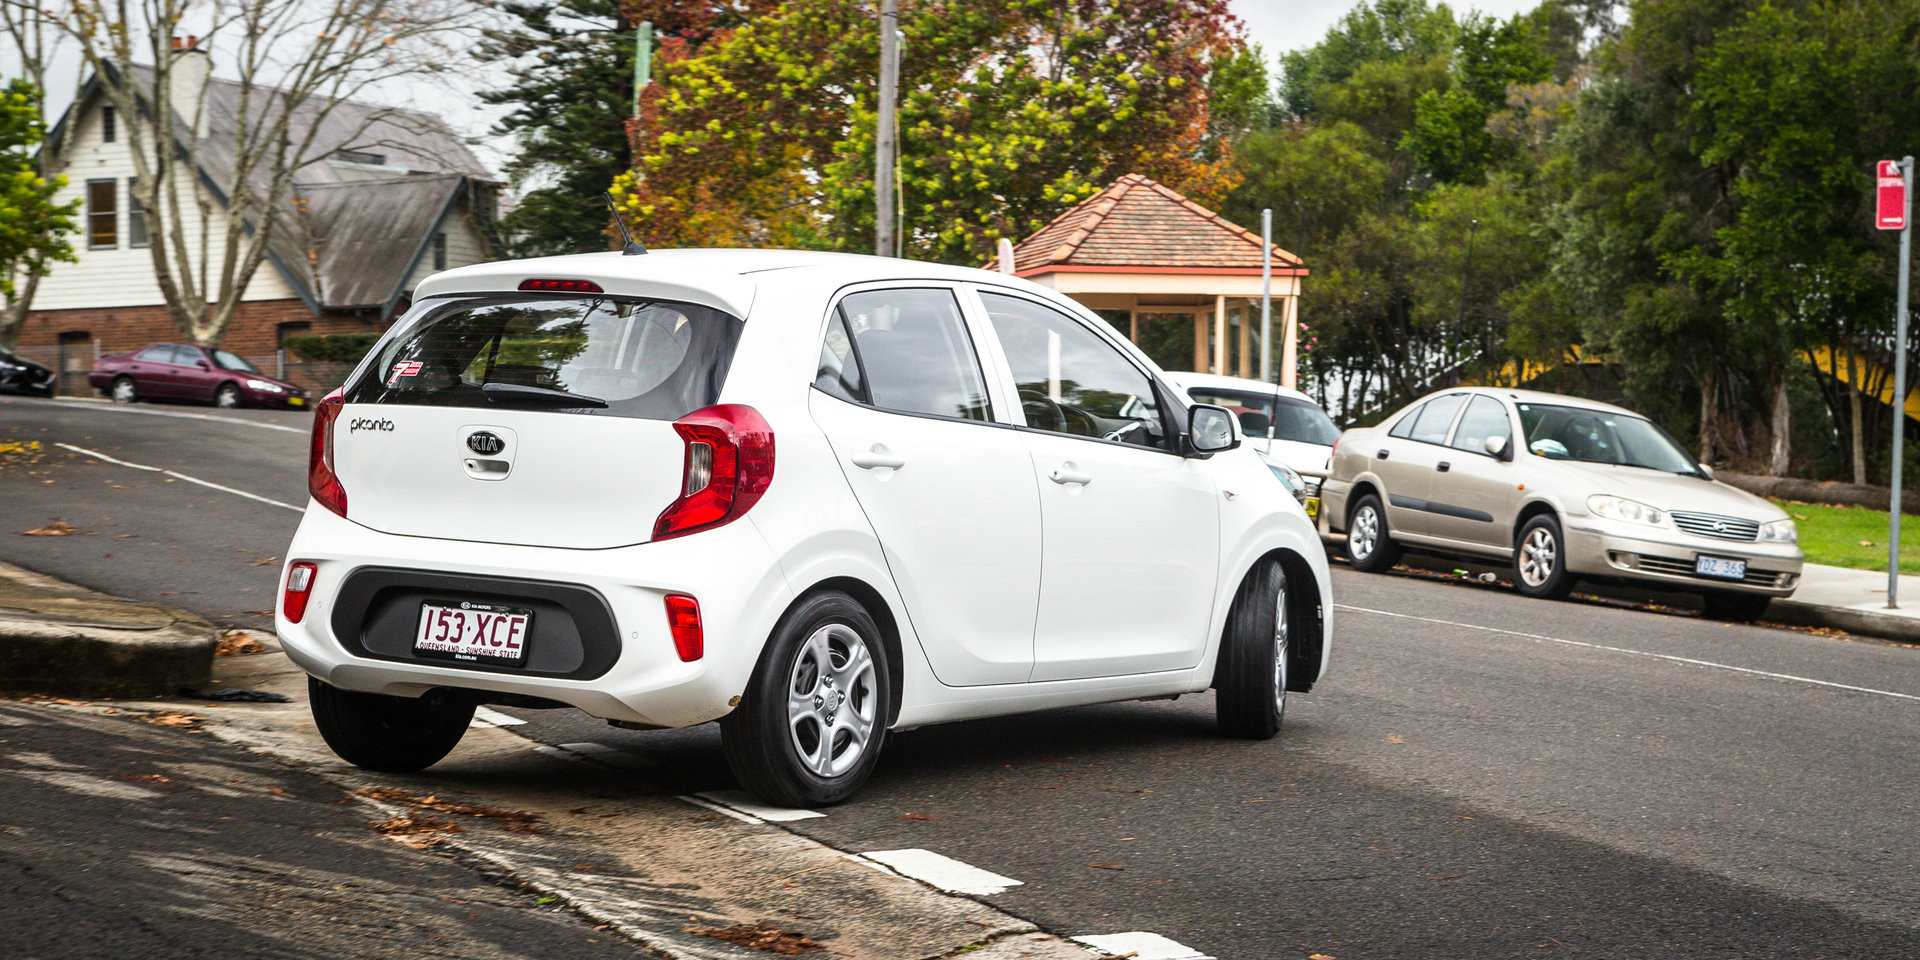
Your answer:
<point x="1852" y="536"/>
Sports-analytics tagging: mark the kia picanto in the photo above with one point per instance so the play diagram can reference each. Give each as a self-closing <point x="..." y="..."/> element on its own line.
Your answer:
<point x="817" y="498"/>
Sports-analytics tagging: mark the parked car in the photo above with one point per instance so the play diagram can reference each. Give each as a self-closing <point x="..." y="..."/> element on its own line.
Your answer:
<point x="801" y="494"/>
<point x="177" y="371"/>
<point x="1285" y="425"/>
<point x="1562" y="488"/>
<point x="20" y="375"/>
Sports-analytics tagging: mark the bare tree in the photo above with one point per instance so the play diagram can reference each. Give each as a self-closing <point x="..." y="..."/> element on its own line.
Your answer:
<point x="216" y="174"/>
<point x="35" y="42"/>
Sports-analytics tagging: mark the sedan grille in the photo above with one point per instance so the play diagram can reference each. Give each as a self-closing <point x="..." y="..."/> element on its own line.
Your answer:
<point x="1716" y="526"/>
<point x="1685" y="568"/>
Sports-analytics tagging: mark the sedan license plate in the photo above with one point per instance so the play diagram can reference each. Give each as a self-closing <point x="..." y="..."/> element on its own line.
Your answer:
<point x="1720" y="567"/>
<point x="473" y="631"/>
<point x="1313" y="508"/>
<point x="296" y="401"/>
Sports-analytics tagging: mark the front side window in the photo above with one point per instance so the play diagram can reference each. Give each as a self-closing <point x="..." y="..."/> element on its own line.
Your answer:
<point x="604" y="355"/>
<point x="1599" y="436"/>
<point x="1485" y="417"/>
<point x="157" y="354"/>
<point x="1436" y="417"/>
<point x="1070" y="380"/>
<point x="913" y="353"/>
<point x="233" y="361"/>
<point x="186" y="356"/>
<point x="103" y="214"/>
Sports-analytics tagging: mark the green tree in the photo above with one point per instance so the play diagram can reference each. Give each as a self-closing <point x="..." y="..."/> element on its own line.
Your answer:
<point x="33" y="227"/>
<point x="1379" y="32"/>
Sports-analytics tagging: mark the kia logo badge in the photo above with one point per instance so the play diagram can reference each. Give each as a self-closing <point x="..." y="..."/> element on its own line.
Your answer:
<point x="485" y="444"/>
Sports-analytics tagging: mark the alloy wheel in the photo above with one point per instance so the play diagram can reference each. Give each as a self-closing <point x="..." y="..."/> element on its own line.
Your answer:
<point x="1365" y="534"/>
<point x="1537" y="556"/>
<point x="832" y="700"/>
<point x="1280" y="642"/>
<point x="123" y="391"/>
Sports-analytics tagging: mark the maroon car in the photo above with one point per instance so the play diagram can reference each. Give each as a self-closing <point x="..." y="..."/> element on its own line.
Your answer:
<point x="175" y="371"/>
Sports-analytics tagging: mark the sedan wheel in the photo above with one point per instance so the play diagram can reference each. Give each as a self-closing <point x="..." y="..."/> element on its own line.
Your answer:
<point x="124" y="390"/>
<point x="1250" y="677"/>
<point x="227" y="396"/>
<point x="1540" y="561"/>
<point x="1369" y="547"/>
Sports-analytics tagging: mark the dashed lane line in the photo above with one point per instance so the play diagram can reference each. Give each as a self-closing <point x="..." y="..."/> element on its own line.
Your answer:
<point x="745" y="803"/>
<point x="484" y="717"/>
<point x="97" y="455"/>
<point x="1141" y="946"/>
<point x="98" y="407"/>
<point x="1538" y="638"/>
<point x="934" y="870"/>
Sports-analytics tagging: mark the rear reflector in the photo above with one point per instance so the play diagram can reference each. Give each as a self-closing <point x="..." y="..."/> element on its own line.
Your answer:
<point x="683" y="621"/>
<point x="322" y="482"/>
<point x="293" y="602"/>
<point x="561" y="286"/>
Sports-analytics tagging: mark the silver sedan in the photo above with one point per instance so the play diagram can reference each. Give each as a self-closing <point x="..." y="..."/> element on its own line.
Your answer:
<point x="1561" y="488"/>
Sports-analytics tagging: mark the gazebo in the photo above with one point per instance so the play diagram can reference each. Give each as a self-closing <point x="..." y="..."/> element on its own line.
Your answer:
<point x="1143" y="248"/>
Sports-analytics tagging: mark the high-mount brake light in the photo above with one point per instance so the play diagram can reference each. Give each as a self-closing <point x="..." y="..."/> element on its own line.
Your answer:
<point x="561" y="286"/>
<point x="729" y="465"/>
<point x="299" y="589"/>
<point x="322" y="482"/>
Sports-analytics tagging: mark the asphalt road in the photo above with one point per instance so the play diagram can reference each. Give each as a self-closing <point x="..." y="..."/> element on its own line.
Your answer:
<point x="1482" y="775"/>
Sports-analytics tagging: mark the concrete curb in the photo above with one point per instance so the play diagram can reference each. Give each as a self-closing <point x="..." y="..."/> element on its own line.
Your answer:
<point x="57" y="639"/>
<point x="1885" y="626"/>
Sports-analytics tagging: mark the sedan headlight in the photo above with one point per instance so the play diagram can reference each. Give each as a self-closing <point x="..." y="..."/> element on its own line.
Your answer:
<point x="1289" y="478"/>
<point x="1779" y="531"/>
<point x="266" y="387"/>
<point x="1630" y="511"/>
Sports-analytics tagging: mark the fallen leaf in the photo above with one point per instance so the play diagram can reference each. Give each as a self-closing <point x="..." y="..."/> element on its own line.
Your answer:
<point x="517" y="821"/>
<point x="919" y="816"/>
<point x="58" y="528"/>
<point x="148" y="777"/>
<point x="184" y="721"/>
<point x="1866" y="543"/>
<point x="1395" y="740"/>
<point x="1320" y="956"/>
<point x="1451" y="876"/>
<point x="1106" y="866"/>
<point x="234" y="643"/>
<point x="765" y="937"/>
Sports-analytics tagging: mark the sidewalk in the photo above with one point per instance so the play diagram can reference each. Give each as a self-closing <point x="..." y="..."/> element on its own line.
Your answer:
<point x="65" y="640"/>
<point x="1851" y="600"/>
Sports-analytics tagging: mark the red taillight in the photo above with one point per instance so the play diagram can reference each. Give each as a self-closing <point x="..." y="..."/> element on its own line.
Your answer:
<point x="293" y="602"/>
<point x="561" y="286"/>
<point x="683" y="621"/>
<point x="729" y="464"/>
<point x="322" y="482"/>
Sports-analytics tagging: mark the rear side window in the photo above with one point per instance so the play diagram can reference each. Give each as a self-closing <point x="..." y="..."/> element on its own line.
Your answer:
<point x="1436" y="417"/>
<point x="914" y="353"/>
<point x="611" y="356"/>
<point x="160" y="354"/>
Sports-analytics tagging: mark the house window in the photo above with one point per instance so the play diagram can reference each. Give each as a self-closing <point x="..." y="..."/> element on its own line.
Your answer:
<point x="136" y="217"/>
<point x="103" y="214"/>
<point x="362" y="156"/>
<point x="107" y="130"/>
<point x="439" y="251"/>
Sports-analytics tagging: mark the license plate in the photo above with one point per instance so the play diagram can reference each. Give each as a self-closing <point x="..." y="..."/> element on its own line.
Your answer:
<point x="296" y="401"/>
<point x="473" y="631"/>
<point x="1313" y="508"/>
<point x="1720" y="567"/>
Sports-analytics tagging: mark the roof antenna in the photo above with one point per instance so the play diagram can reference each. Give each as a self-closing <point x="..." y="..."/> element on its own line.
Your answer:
<point x="632" y="249"/>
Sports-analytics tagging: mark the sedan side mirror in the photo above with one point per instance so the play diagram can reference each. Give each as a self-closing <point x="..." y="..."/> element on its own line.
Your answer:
<point x="202" y="364"/>
<point x="1706" y="471"/>
<point x="1210" y="429"/>
<point x="1497" y="448"/>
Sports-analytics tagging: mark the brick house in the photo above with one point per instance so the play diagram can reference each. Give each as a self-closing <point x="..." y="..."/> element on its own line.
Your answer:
<point x="391" y="197"/>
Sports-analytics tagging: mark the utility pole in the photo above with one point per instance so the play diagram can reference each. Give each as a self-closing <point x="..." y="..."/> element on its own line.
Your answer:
<point x="1266" y="296"/>
<point x="883" y="162"/>
<point x="1905" y="185"/>
<point x="642" y="62"/>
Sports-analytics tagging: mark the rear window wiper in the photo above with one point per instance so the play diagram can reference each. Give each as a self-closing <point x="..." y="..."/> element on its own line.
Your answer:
<point x="547" y="396"/>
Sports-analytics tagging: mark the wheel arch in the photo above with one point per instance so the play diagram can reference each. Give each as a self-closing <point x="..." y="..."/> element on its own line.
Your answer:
<point x="1528" y="512"/>
<point x="1361" y="489"/>
<point x="1306" y="618"/>
<point x="877" y="607"/>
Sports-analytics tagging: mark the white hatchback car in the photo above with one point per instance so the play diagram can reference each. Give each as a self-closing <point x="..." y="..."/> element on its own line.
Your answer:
<point x="815" y="497"/>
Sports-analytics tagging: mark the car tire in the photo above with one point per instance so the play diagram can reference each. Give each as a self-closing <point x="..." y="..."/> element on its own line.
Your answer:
<point x="1734" y="607"/>
<point x="124" y="390"/>
<point x="1250" y="678"/>
<point x="227" y="395"/>
<point x="814" y="717"/>
<point x="388" y="734"/>
<point x="1540" y="559"/>
<point x="1370" y="547"/>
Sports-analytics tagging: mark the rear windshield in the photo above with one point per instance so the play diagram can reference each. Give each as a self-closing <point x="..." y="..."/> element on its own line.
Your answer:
<point x="612" y="356"/>
<point x="1288" y="418"/>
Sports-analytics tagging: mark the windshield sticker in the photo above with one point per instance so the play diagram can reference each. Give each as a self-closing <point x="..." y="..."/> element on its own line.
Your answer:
<point x="405" y="368"/>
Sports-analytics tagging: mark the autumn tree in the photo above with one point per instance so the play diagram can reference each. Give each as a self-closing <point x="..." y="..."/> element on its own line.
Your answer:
<point x="1010" y="110"/>
<point x="33" y="229"/>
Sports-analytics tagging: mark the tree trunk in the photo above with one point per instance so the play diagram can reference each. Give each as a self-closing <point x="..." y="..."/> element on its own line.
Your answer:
<point x="1782" y="426"/>
<point x="1709" y="381"/>
<point x="16" y="316"/>
<point x="1859" y="430"/>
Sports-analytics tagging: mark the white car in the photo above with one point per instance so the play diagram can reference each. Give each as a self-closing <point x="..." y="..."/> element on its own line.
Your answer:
<point x="814" y="497"/>
<point x="1285" y="425"/>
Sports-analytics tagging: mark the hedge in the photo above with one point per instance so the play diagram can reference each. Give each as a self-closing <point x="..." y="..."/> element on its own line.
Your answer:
<point x="332" y="347"/>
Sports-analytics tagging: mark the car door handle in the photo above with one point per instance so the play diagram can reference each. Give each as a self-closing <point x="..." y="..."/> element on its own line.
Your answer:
<point x="1383" y="454"/>
<point x="879" y="458"/>
<point x="1068" y="473"/>
<point x="1444" y="466"/>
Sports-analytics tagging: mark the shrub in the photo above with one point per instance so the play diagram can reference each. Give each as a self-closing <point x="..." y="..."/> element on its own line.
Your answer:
<point x="332" y="347"/>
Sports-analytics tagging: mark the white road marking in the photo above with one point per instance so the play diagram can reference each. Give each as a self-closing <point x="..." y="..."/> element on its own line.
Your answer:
<point x="97" y="455"/>
<point x="88" y="784"/>
<point x="722" y="808"/>
<point x="100" y="407"/>
<point x="745" y="803"/>
<point x="1143" y="946"/>
<point x="611" y="756"/>
<point x="546" y="750"/>
<point x="1638" y="653"/>
<point x="943" y="873"/>
<point x="489" y="717"/>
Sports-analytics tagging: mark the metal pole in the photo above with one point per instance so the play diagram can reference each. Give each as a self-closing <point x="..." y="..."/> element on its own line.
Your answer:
<point x="1266" y="295"/>
<point x="1899" y="391"/>
<point x="642" y="62"/>
<point x="883" y="172"/>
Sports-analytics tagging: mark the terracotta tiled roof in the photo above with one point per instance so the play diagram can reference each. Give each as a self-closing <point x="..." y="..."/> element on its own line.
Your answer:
<point x="1139" y="223"/>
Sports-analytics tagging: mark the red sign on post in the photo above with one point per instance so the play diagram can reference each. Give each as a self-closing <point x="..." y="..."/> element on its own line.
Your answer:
<point x="1891" y="211"/>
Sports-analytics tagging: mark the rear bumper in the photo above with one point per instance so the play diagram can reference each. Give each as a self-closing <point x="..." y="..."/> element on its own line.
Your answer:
<point x="1772" y="570"/>
<point x="626" y="667"/>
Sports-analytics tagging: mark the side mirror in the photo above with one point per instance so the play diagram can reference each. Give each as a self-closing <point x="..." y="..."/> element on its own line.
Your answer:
<point x="1706" y="471"/>
<point x="1497" y="448"/>
<point x="1210" y="429"/>
<point x="202" y="364"/>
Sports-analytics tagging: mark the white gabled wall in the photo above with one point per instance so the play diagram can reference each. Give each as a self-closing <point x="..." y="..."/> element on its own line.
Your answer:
<point x="123" y="276"/>
<point x="465" y="245"/>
